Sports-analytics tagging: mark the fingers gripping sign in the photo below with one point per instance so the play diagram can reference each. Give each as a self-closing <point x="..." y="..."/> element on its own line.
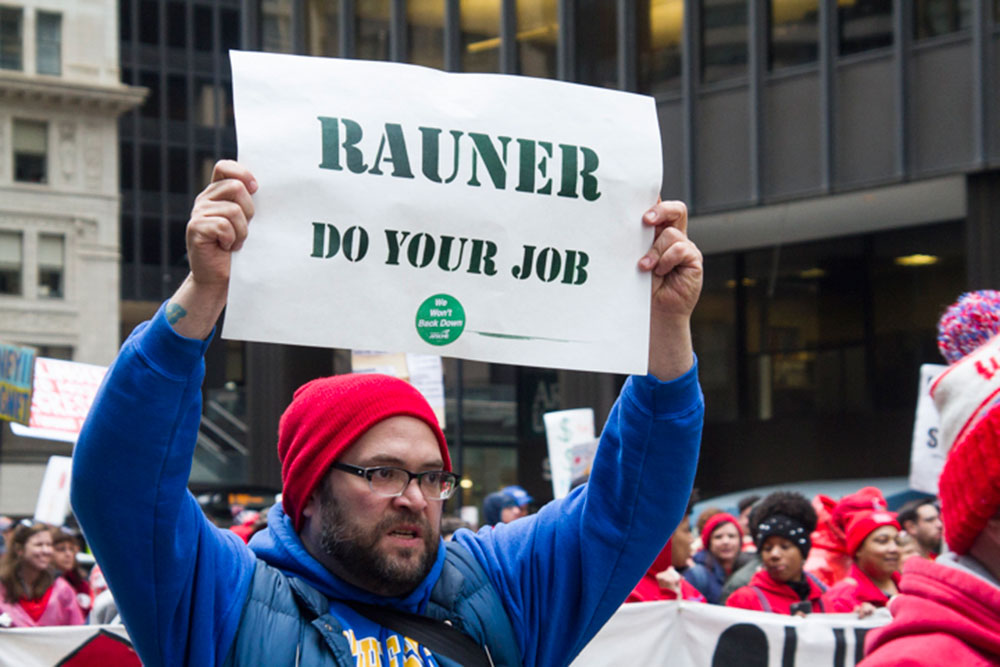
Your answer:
<point x="218" y="227"/>
<point x="219" y="222"/>
<point x="676" y="266"/>
<point x="675" y="261"/>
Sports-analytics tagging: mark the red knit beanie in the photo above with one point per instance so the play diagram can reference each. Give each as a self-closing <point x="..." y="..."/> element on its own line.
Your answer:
<point x="969" y="486"/>
<point x="716" y="521"/>
<point x="863" y="524"/>
<point x="966" y="396"/>
<point x="867" y="499"/>
<point x="327" y="416"/>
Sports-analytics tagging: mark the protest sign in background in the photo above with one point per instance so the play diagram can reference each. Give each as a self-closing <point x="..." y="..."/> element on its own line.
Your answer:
<point x="423" y="371"/>
<point x="651" y="634"/>
<point x="16" y="368"/>
<point x="53" y="496"/>
<point x="691" y="634"/>
<point x="572" y="445"/>
<point x="63" y="392"/>
<point x="487" y="217"/>
<point x="927" y="455"/>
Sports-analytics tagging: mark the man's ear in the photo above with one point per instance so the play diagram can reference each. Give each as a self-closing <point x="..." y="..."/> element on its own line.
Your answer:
<point x="310" y="509"/>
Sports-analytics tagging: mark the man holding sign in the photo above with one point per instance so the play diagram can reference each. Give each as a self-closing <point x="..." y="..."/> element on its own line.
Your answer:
<point x="353" y="537"/>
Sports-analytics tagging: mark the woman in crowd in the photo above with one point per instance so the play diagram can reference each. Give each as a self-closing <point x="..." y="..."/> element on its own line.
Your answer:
<point x="723" y="540"/>
<point x="65" y="547"/>
<point x="781" y="525"/>
<point x="30" y="594"/>
<point x="874" y="575"/>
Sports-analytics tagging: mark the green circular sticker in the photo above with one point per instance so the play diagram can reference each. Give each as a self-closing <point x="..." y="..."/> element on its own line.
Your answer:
<point x="440" y="319"/>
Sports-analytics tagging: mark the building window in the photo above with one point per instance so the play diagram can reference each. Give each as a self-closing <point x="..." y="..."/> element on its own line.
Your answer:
<point x="51" y="265"/>
<point x="941" y="17"/>
<point x="480" y="23"/>
<point x="597" y="43"/>
<point x="793" y="33"/>
<point x="723" y="39"/>
<point x="10" y="38"/>
<point x="10" y="262"/>
<point x="204" y="29"/>
<point x="425" y="22"/>
<point x="206" y="102"/>
<point x="323" y="27"/>
<point x="661" y="32"/>
<point x="276" y="26"/>
<point x="864" y="25"/>
<point x="537" y="36"/>
<point x="176" y="97"/>
<point x="64" y="352"/>
<point x="229" y="30"/>
<point x="176" y="32"/>
<point x="48" y="29"/>
<point x="149" y="22"/>
<point x="30" y="150"/>
<point x="373" y="30"/>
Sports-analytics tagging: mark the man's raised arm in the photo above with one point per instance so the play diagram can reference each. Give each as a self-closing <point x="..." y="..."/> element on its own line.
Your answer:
<point x="179" y="582"/>
<point x="217" y="228"/>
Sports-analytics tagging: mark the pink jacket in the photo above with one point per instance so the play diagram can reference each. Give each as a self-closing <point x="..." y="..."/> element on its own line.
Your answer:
<point x="62" y="609"/>
<point x="942" y="615"/>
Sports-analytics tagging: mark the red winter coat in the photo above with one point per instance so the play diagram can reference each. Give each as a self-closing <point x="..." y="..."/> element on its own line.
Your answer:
<point x="855" y="589"/>
<point x="765" y="593"/>
<point x="942" y="615"/>
<point x="648" y="589"/>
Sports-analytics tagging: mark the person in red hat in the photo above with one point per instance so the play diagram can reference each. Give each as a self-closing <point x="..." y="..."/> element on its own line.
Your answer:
<point x="781" y="525"/>
<point x="828" y="558"/>
<point x="722" y="538"/>
<point x="874" y="576"/>
<point x="351" y="569"/>
<point x="948" y="610"/>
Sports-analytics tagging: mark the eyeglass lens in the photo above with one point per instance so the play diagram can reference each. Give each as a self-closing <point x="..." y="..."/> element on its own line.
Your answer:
<point x="393" y="481"/>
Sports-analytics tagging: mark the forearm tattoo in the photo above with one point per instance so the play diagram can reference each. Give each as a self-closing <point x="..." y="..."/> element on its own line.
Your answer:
<point x="175" y="312"/>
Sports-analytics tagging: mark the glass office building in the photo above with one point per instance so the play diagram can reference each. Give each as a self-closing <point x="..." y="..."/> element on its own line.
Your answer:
<point x="839" y="160"/>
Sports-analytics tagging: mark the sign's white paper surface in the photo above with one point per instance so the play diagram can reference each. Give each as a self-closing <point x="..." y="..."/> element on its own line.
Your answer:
<point x="485" y="217"/>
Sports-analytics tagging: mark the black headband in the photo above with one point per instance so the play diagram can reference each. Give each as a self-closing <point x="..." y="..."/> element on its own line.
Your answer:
<point x="786" y="527"/>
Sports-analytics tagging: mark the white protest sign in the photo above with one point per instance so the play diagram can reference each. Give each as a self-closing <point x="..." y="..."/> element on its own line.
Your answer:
<point x="678" y="634"/>
<point x="61" y="398"/>
<point x="569" y="435"/>
<point x="53" y="496"/>
<point x="691" y="634"/>
<point x="927" y="455"/>
<point x="480" y="216"/>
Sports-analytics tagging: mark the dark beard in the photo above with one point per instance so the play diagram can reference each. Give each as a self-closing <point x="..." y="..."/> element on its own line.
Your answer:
<point x="355" y="549"/>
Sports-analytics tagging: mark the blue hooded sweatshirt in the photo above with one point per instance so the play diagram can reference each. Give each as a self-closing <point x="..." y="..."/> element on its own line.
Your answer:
<point x="180" y="583"/>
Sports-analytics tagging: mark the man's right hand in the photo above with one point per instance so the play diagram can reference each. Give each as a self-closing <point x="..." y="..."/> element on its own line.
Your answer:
<point x="218" y="227"/>
<point x="219" y="221"/>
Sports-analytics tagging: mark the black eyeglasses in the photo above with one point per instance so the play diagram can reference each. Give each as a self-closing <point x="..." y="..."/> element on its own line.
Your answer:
<point x="391" y="482"/>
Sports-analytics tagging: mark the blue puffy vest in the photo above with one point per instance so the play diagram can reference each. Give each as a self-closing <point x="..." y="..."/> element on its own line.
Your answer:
<point x="275" y="626"/>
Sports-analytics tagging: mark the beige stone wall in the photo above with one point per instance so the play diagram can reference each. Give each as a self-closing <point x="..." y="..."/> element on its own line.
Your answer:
<point x="79" y="202"/>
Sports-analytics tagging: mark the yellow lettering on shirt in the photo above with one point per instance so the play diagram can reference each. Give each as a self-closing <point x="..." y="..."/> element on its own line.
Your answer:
<point x="368" y="651"/>
<point x="393" y="649"/>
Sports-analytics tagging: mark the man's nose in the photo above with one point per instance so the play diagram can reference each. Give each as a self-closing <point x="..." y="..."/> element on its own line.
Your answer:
<point x="412" y="496"/>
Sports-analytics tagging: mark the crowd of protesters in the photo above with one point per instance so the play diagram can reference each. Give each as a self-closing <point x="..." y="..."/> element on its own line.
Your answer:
<point x="936" y="569"/>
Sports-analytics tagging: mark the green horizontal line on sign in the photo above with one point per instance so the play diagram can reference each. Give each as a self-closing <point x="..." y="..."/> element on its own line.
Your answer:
<point x="517" y="337"/>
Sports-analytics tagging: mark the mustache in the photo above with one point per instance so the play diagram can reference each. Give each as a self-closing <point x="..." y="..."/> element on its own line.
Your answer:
<point x="404" y="518"/>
